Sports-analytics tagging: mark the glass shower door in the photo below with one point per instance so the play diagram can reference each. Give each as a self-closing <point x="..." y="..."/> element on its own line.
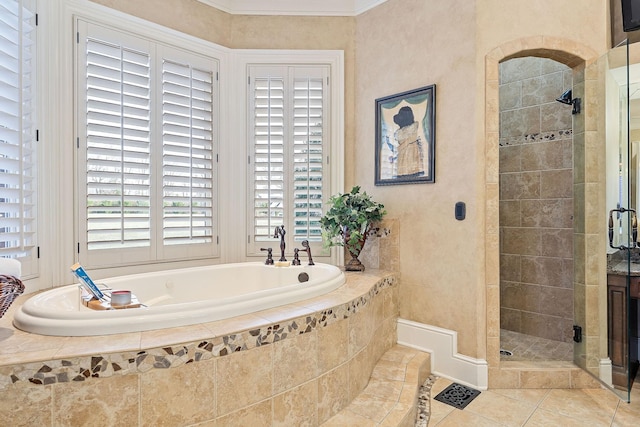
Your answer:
<point x="623" y="256"/>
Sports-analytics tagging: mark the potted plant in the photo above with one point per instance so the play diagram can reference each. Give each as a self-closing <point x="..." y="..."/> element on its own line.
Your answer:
<point x="348" y="221"/>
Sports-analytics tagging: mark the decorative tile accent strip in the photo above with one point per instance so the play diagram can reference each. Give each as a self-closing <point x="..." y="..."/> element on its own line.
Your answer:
<point x="556" y="135"/>
<point x="128" y="363"/>
<point x="379" y="232"/>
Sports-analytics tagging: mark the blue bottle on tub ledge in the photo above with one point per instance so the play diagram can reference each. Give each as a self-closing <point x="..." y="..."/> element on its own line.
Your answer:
<point x="84" y="278"/>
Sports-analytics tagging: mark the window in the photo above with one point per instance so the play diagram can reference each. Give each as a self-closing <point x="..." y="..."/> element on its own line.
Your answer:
<point x="289" y="142"/>
<point x="18" y="160"/>
<point x="146" y="127"/>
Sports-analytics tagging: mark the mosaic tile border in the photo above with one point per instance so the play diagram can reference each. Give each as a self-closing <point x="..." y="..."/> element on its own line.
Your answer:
<point x="555" y="135"/>
<point x="424" y="402"/>
<point x="135" y="362"/>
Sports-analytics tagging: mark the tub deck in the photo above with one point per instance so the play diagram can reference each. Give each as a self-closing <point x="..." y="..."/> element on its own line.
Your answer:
<point x="178" y="297"/>
<point x="276" y="366"/>
<point x="19" y="347"/>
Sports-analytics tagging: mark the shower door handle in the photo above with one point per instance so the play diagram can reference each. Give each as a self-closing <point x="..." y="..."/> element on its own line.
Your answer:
<point x="634" y="228"/>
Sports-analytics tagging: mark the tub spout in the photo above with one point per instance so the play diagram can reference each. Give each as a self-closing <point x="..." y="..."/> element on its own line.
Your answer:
<point x="279" y="232"/>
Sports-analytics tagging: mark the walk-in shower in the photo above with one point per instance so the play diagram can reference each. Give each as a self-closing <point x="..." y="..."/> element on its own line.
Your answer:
<point x="536" y="210"/>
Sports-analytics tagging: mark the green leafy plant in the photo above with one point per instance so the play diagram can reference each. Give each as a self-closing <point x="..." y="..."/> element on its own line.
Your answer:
<point x="349" y="219"/>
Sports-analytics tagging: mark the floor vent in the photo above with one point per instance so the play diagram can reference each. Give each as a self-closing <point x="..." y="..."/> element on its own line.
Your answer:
<point x="457" y="395"/>
<point x="506" y="353"/>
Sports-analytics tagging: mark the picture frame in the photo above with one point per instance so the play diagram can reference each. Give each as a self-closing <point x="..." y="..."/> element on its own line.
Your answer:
<point x="406" y="137"/>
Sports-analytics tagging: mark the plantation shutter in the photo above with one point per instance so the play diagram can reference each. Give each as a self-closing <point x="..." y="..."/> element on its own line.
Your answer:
<point x="308" y="108"/>
<point x="288" y="143"/>
<point x="146" y="112"/>
<point x="18" y="197"/>
<point x="187" y="165"/>
<point x="269" y="152"/>
<point x="118" y="151"/>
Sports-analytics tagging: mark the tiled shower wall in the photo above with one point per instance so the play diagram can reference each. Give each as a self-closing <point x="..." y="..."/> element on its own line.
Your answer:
<point x="536" y="199"/>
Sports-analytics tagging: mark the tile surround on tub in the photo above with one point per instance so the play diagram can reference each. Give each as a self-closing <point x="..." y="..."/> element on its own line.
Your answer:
<point x="366" y="303"/>
<point x="92" y="360"/>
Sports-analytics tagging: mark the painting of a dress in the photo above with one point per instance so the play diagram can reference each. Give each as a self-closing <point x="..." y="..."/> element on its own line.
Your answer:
<point x="405" y="137"/>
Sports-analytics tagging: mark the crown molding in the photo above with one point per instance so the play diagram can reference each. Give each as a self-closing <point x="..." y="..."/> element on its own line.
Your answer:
<point x="294" y="7"/>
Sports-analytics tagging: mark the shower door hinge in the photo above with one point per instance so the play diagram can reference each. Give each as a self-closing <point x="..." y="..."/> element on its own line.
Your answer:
<point x="577" y="333"/>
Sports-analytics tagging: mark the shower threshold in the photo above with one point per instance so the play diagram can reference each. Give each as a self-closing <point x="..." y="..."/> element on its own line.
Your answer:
<point x="525" y="347"/>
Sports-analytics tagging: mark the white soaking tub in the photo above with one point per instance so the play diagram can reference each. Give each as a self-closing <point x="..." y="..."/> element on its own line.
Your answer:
<point x="177" y="298"/>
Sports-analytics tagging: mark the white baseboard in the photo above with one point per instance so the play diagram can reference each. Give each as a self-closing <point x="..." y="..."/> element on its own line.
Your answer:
<point x="445" y="359"/>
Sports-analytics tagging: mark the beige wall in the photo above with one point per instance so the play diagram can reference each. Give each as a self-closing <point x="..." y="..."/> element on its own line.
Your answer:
<point x="403" y="45"/>
<point x="187" y="16"/>
<point x="442" y="261"/>
<point x="500" y="21"/>
<point x="397" y="46"/>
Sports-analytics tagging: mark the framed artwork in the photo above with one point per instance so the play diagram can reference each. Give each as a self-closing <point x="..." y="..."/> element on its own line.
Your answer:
<point x="406" y="137"/>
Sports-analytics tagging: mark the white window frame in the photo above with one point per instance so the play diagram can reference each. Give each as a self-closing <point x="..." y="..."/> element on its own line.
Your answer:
<point x="57" y="217"/>
<point x="272" y="145"/>
<point x="157" y="252"/>
<point x="28" y="235"/>
<point x="334" y="60"/>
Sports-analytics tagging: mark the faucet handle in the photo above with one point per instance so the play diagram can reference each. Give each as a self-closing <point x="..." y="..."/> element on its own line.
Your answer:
<point x="296" y="258"/>
<point x="269" y="260"/>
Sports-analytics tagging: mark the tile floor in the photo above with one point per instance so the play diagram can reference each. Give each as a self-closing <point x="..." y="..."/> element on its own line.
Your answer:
<point x="538" y="408"/>
<point x="527" y="347"/>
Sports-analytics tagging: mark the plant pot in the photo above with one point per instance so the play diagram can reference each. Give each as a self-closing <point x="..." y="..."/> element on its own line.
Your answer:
<point x="354" y="263"/>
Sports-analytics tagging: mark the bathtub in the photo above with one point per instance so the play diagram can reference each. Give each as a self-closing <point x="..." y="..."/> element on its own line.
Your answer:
<point x="177" y="298"/>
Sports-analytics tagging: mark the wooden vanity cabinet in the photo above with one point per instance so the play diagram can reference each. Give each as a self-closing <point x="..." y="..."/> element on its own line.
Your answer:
<point x="618" y="328"/>
<point x="634" y="287"/>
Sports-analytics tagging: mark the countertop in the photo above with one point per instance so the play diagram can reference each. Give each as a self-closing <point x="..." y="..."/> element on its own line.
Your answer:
<point x="624" y="267"/>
